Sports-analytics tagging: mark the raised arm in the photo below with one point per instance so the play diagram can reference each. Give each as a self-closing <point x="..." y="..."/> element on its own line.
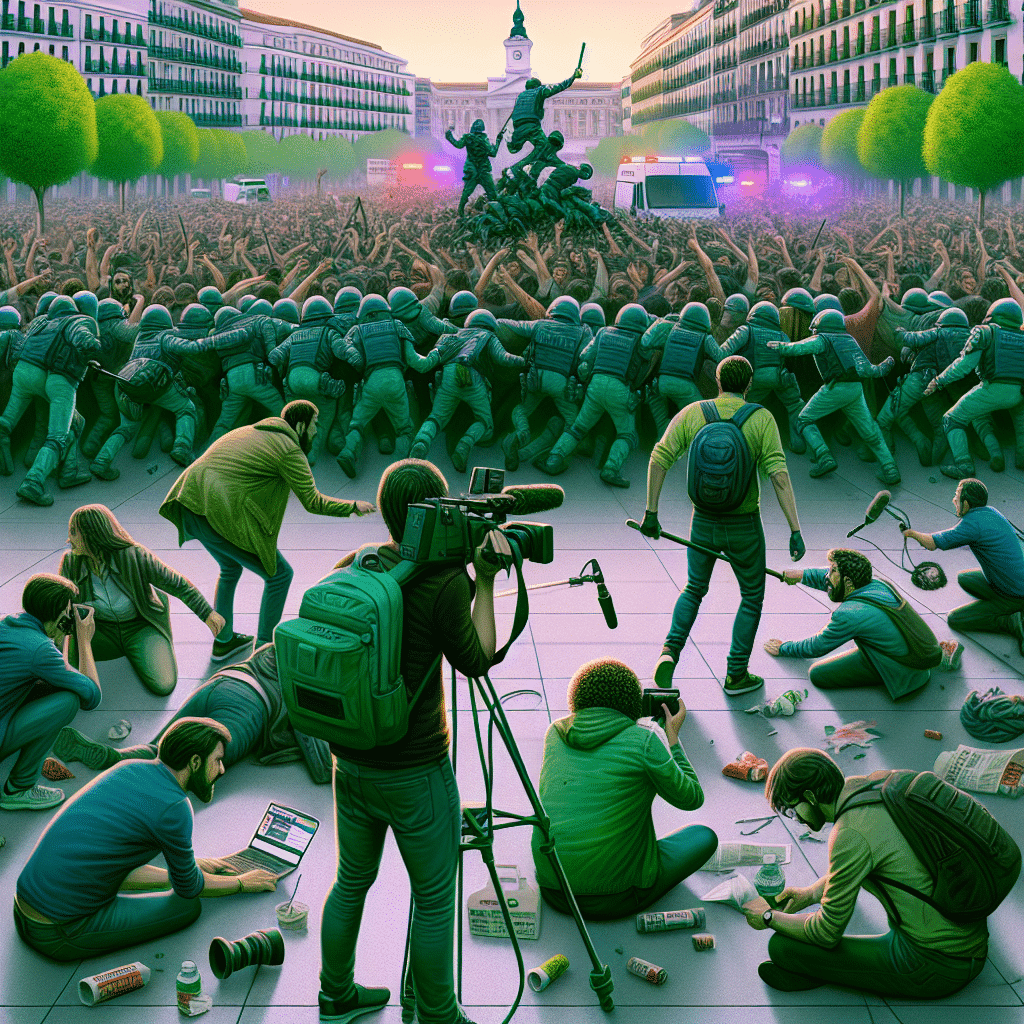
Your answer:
<point x="714" y="285"/>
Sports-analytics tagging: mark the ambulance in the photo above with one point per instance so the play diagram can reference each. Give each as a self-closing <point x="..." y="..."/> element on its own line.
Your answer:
<point x="667" y="186"/>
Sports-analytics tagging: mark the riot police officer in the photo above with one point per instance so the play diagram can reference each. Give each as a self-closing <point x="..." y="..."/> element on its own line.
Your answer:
<point x="477" y="169"/>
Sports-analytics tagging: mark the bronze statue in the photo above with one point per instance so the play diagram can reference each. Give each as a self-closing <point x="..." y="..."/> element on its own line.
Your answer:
<point x="526" y="123"/>
<point x="477" y="170"/>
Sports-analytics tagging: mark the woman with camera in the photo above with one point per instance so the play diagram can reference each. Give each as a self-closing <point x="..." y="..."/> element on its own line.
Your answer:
<point x="40" y="692"/>
<point x="125" y="583"/>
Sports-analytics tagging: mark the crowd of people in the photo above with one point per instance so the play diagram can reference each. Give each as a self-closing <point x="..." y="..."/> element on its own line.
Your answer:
<point x="249" y="340"/>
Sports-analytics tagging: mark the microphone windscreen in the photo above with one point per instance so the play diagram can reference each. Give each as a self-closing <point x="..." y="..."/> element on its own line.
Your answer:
<point x="877" y="506"/>
<point x="533" y="498"/>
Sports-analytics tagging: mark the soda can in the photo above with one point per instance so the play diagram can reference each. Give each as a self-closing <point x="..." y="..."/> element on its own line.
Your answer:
<point x="669" y="920"/>
<point x="649" y="972"/>
<point x="551" y="970"/>
<point x="703" y="941"/>
<point x="98" y="988"/>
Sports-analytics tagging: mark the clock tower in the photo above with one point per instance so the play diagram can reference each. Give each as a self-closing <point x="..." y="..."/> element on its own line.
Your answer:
<point x="517" y="48"/>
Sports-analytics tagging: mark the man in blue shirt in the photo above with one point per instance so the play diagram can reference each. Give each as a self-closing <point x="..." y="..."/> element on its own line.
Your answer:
<point x="70" y="902"/>
<point x="40" y="692"/>
<point x="998" y="585"/>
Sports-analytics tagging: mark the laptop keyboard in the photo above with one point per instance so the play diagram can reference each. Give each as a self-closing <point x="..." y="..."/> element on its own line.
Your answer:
<point x="253" y="859"/>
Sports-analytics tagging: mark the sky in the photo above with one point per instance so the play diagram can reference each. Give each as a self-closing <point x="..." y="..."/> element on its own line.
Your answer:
<point x="461" y="40"/>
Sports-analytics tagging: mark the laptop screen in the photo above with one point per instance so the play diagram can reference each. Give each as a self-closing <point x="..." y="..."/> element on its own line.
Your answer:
<point x="285" y="833"/>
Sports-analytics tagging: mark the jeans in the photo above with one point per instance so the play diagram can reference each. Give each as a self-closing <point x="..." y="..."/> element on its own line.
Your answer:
<point x="32" y="729"/>
<point x="231" y="560"/>
<point x="977" y="407"/>
<point x="888" y="965"/>
<point x="174" y="400"/>
<point x="304" y="382"/>
<point x="125" y="921"/>
<point x="421" y="805"/>
<point x="148" y="651"/>
<point x="982" y="615"/>
<point x="844" y="671"/>
<point x="679" y="855"/>
<point x="741" y="539"/>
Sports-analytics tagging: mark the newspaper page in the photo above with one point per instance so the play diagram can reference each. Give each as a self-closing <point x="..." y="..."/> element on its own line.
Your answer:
<point x="982" y="771"/>
<point x="731" y="855"/>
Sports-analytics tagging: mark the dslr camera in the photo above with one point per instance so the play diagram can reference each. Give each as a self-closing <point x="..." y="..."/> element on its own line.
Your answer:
<point x="654" y="697"/>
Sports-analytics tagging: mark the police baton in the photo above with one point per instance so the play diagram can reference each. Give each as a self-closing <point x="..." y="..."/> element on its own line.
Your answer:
<point x="579" y="63"/>
<point x="633" y="524"/>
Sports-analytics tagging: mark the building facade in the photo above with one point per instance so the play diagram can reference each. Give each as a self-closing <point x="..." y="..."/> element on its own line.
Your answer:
<point x="585" y="113"/>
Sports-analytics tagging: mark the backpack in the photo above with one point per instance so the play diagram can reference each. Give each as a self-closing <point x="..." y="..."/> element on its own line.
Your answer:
<point x="973" y="860"/>
<point x="339" y="662"/>
<point x="720" y="465"/>
<point x="923" y="650"/>
<point x="144" y="380"/>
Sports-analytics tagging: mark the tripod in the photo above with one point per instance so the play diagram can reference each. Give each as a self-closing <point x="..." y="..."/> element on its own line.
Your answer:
<point x="478" y="828"/>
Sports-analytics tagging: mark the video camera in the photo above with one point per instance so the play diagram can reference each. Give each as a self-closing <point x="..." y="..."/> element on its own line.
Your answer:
<point x="654" y="697"/>
<point x="440" y="530"/>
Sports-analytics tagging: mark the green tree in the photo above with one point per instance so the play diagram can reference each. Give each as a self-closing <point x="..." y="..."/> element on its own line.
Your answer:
<point x="208" y="165"/>
<point x="259" y="152"/>
<point x="606" y="156"/>
<point x="974" y="134"/>
<point x="839" y="144"/>
<point x="233" y="155"/>
<point x="674" y="137"/>
<point x="181" y="144"/>
<point x="388" y="144"/>
<point x="130" y="141"/>
<point x="298" y="157"/>
<point x="47" y="124"/>
<point x="803" y="146"/>
<point x="892" y="136"/>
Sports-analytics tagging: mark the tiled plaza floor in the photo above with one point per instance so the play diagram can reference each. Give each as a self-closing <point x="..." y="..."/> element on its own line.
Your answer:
<point x="565" y="629"/>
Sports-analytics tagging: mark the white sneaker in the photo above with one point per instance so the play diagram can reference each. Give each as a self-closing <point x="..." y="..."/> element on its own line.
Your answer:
<point x="38" y="798"/>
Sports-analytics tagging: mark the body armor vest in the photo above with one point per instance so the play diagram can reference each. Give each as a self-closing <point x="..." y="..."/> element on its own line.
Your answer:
<point x="53" y="350"/>
<point x="555" y="345"/>
<point x="474" y="341"/>
<point x="1007" y="359"/>
<point x="238" y="347"/>
<point x="764" y="357"/>
<point x="684" y="350"/>
<point x="309" y="345"/>
<point x="949" y="344"/>
<point x="838" y="361"/>
<point x="425" y="330"/>
<point x="117" y="340"/>
<point x="478" y="150"/>
<point x="616" y="354"/>
<point x="152" y="347"/>
<point x="382" y="345"/>
<point x="529" y="106"/>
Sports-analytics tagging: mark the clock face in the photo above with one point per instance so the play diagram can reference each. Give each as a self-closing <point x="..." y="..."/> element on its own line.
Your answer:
<point x="517" y="54"/>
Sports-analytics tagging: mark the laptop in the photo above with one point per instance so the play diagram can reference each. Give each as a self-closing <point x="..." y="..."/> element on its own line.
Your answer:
<point x="278" y="844"/>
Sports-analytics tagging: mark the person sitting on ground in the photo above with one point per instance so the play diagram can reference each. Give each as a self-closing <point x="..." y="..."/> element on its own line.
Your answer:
<point x="895" y="647"/>
<point x="924" y="955"/>
<point x="70" y="902"/>
<point x="40" y="692"/>
<point x="600" y="774"/>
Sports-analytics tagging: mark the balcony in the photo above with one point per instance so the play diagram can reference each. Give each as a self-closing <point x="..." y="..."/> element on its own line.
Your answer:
<point x="908" y="33"/>
<point x="725" y="63"/>
<point x="229" y="37"/>
<point x="998" y="11"/>
<point x="217" y="120"/>
<point x="948" y="22"/>
<point x="928" y="81"/>
<point x="183" y="56"/>
<point x="729" y="32"/>
<point x="778" y="83"/>
<point x="67" y="31"/>
<point x="971" y="16"/>
<point x="753" y="126"/>
<point x="186" y="87"/>
<point x="759" y="15"/>
<point x="946" y="72"/>
<point x="105" y="67"/>
<point x="724" y="6"/>
<point x="876" y="86"/>
<point x="765" y="46"/>
<point x="859" y="93"/>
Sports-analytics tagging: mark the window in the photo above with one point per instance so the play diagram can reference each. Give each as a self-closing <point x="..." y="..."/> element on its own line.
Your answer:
<point x="672" y="191"/>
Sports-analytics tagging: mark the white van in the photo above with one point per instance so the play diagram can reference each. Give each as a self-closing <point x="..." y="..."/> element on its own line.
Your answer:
<point x="666" y="186"/>
<point x="246" y="190"/>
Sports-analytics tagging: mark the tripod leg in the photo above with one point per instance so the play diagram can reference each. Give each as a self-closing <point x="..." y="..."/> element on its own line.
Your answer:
<point x="408" y="998"/>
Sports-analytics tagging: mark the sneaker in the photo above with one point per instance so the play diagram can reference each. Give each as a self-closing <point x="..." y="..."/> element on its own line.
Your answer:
<point x="665" y="668"/>
<point x="223" y="649"/>
<point x="553" y="465"/>
<point x="71" y="745"/>
<point x="782" y="980"/>
<point x="347" y="463"/>
<point x="952" y="652"/>
<point x="742" y="684"/>
<point x="182" y="455"/>
<point x="367" y="1000"/>
<point x="825" y="465"/>
<point x="38" y="798"/>
<point x="460" y="456"/>
<point x="510" y="447"/>
<point x="419" y="450"/>
<point x="957" y="471"/>
<point x="33" y="491"/>
<point x="73" y="476"/>
<point x="997" y="463"/>
<point x="386" y="445"/>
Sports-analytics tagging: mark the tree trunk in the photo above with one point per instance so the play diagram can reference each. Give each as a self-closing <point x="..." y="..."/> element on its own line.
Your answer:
<point x="122" y="196"/>
<point x="903" y="189"/>
<point x="981" y="209"/>
<point x="40" y="218"/>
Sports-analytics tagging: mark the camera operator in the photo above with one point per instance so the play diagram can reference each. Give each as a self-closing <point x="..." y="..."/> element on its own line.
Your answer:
<point x="600" y="774"/>
<point x="410" y="786"/>
<point x="40" y="692"/>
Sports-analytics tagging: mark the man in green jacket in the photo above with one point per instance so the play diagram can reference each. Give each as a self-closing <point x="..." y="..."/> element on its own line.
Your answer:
<point x="232" y="500"/>
<point x="600" y="774"/>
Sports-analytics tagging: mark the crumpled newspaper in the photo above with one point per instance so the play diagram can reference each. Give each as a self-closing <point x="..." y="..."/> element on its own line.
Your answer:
<point x="860" y="734"/>
<point x="783" y="706"/>
<point x="734" y="892"/>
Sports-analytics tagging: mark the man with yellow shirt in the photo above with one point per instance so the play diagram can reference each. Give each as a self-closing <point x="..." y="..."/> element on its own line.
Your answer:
<point x="737" y="534"/>
<point x="924" y="955"/>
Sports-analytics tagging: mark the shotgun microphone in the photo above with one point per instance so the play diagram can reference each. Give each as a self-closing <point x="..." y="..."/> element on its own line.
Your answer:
<point x="878" y="505"/>
<point x="604" y="599"/>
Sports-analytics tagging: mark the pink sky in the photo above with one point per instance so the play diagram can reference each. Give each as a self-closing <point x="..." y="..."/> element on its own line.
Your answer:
<point x="460" y="40"/>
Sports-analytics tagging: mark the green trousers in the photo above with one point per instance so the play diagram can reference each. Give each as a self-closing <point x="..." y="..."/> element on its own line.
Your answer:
<point x="605" y="394"/>
<point x="449" y="395"/>
<point x="987" y="613"/>
<point x="102" y="388"/>
<point x="846" y="397"/>
<point x="34" y="382"/>
<point x="551" y="385"/>
<point x="680" y="390"/>
<point x="176" y="401"/>
<point x="383" y="389"/>
<point x="976" y="407"/>
<point x="896" y="410"/>
<point x="775" y="381"/>
<point x="148" y="651"/>
<point x="304" y="382"/>
<point x="242" y="389"/>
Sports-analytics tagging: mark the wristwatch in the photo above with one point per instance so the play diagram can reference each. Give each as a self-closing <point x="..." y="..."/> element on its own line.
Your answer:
<point x="767" y="918"/>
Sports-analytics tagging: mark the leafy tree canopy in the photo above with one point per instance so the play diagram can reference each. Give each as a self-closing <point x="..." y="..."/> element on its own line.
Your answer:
<point x="130" y="141"/>
<point x="892" y="135"/>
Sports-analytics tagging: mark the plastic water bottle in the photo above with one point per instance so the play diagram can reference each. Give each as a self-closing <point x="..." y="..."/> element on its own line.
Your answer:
<point x="189" y="985"/>
<point x="769" y="880"/>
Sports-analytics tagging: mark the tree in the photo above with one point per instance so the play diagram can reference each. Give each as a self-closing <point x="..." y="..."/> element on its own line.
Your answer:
<point x="130" y="141"/>
<point x="259" y="152"/>
<point x="233" y="156"/>
<point x="892" y="135"/>
<point x="181" y="144"/>
<point x="47" y="124"/>
<point x="803" y="146"/>
<point x="606" y="156"/>
<point x="208" y="165"/>
<point x="385" y="145"/>
<point x="839" y="144"/>
<point x="674" y="137"/>
<point x="973" y="134"/>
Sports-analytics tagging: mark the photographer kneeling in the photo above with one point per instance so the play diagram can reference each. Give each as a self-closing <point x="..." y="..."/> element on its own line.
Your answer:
<point x="599" y="777"/>
<point x="410" y="786"/>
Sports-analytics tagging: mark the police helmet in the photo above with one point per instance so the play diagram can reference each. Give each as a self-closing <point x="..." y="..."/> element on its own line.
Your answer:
<point x="225" y="316"/>
<point x="799" y="298"/>
<point x="261" y="307"/>
<point x="403" y="302"/>
<point x="953" y="317"/>
<point x="533" y="83"/>
<point x="372" y="304"/>
<point x="940" y="298"/>
<point x="110" y="309"/>
<point x="828" y="321"/>
<point x="566" y="308"/>
<point x="462" y="304"/>
<point x="316" y="308"/>
<point x="478" y="127"/>
<point x="592" y="314"/>
<point x="633" y="317"/>
<point x="737" y="304"/>
<point x="916" y="301"/>
<point x="557" y="139"/>
<point x="86" y="303"/>
<point x="826" y="301"/>
<point x="482" y="319"/>
<point x="287" y="310"/>
<point x="211" y="298"/>
<point x="10" y="318"/>
<point x="43" y="305"/>
<point x="155" y="318"/>
<point x="764" y="314"/>
<point x="586" y="172"/>
<point x="696" y="315"/>
<point x="347" y="299"/>
<point x="196" y="319"/>
<point x="63" y="305"/>
<point x="1005" y="312"/>
<point x="245" y="303"/>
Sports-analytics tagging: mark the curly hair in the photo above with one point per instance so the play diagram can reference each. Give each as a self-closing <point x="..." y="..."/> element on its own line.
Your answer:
<point x="606" y="683"/>
<point x="852" y="565"/>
